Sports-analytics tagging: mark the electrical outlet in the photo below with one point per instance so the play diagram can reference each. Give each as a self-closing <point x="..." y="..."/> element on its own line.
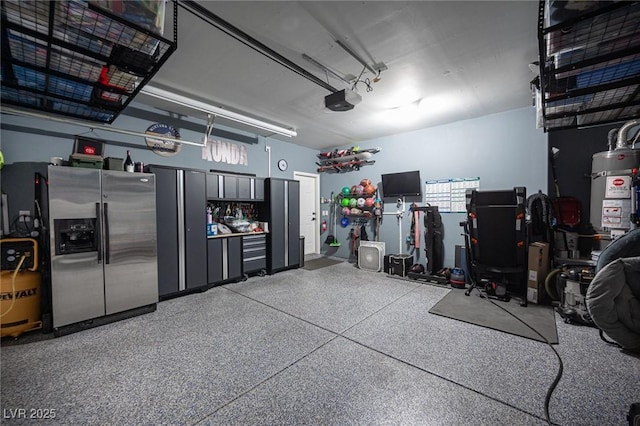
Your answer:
<point x="25" y="216"/>
<point x="325" y="212"/>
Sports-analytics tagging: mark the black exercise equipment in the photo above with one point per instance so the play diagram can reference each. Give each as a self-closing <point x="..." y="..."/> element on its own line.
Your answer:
<point x="433" y="237"/>
<point x="434" y="245"/>
<point x="495" y="240"/>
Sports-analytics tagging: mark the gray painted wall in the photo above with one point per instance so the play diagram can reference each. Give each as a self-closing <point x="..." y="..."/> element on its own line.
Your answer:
<point x="58" y="141"/>
<point x="504" y="150"/>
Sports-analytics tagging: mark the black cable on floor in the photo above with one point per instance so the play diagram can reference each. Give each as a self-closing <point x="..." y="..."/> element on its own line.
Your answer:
<point x="341" y="334"/>
<point x="610" y="342"/>
<point x="551" y="388"/>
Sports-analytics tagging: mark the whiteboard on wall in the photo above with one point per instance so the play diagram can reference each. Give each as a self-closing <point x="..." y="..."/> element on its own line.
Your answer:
<point x="449" y="195"/>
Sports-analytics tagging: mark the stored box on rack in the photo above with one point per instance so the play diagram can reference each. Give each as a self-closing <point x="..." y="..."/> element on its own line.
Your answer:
<point x="148" y="14"/>
<point x="400" y="264"/>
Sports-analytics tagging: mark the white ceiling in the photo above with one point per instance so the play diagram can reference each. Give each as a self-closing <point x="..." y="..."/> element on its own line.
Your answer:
<point x="464" y="58"/>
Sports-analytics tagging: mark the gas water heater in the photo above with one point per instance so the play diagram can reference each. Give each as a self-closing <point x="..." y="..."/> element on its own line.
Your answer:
<point x="614" y="174"/>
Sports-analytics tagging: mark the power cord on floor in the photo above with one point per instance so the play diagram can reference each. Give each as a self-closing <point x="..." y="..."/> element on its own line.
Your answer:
<point x="551" y="388"/>
<point x="342" y="334"/>
<point x="609" y="342"/>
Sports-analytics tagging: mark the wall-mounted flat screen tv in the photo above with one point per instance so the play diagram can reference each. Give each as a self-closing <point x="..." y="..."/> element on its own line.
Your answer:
<point x="401" y="184"/>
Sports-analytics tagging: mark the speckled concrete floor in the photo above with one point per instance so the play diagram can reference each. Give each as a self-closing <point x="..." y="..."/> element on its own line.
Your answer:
<point x="337" y="346"/>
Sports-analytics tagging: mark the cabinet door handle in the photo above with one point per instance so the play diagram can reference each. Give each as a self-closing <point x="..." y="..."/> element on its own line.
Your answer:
<point x="107" y="246"/>
<point x="98" y="231"/>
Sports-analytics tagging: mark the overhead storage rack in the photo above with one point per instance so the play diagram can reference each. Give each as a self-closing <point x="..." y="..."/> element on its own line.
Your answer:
<point x="589" y="62"/>
<point x="80" y="58"/>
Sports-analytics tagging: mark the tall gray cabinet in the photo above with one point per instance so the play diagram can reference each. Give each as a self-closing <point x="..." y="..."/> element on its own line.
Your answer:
<point x="182" y="223"/>
<point x="283" y="212"/>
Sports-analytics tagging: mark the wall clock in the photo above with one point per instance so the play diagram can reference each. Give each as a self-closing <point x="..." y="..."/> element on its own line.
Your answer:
<point x="282" y="164"/>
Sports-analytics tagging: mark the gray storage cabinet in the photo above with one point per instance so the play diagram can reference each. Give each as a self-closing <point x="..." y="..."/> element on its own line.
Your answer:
<point x="234" y="187"/>
<point x="283" y="212"/>
<point x="182" y="240"/>
<point x="224" y="259"/>
<point x="195" y="223"/>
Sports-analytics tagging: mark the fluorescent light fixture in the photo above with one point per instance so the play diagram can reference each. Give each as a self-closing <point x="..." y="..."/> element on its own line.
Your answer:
<point x="92" y="125"/>
<point x="214" y="110"/>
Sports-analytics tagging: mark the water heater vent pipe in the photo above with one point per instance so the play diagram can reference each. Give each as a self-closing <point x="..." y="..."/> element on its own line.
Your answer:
<point x="622" y="133"/>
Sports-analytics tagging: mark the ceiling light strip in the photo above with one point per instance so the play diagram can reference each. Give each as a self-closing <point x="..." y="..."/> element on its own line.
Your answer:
<point x="214" y="110"/>
<point x="95" y="126"/>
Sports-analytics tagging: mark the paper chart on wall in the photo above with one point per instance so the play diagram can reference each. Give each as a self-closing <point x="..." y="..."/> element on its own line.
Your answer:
<point x="449" y="195"/>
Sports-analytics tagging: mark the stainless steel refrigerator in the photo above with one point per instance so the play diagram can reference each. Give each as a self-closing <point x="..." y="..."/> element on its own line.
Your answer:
<point x="103" y="243"/>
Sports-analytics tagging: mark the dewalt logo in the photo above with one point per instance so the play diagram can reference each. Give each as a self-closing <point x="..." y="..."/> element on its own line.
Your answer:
<point x="19" y="294"/>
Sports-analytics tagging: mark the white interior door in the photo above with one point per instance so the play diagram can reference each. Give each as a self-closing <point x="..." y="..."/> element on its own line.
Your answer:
<point x="309" y="206"/>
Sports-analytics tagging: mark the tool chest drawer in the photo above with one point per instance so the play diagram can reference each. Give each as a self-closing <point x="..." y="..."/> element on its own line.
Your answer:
<point x="254" y="253"/>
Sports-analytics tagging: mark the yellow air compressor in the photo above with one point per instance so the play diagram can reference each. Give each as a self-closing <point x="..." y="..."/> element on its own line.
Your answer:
<point x="20" y="287"/>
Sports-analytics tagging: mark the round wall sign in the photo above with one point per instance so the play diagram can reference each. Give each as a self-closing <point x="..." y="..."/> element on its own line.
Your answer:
<point x="160" y="146"/>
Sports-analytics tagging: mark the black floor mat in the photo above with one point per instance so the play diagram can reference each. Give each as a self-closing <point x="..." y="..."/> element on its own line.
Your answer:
<point x="321" y="262"/>
<point x="482" y="312"/>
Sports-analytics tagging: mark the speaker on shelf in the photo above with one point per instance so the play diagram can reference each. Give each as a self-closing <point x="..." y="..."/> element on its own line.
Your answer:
<point x="370" y="255"/>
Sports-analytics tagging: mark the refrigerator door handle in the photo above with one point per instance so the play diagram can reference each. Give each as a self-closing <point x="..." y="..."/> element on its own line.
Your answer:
<point x="107" y="251"/>
<point x="98" y="232"/>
